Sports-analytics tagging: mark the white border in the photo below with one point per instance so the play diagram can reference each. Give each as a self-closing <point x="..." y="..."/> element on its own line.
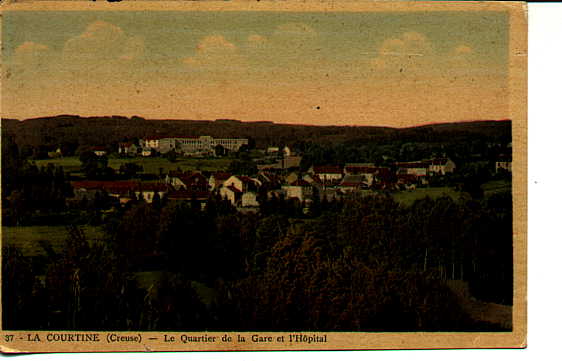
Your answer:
<point x="545" y="225"/>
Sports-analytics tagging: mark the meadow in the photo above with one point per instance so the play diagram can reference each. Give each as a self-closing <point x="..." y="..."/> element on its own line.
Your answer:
<point x="409" y="197"/>
<point x="29" y="238"/>
<point x="406" y="198"/>
<point x="151" y="165"/>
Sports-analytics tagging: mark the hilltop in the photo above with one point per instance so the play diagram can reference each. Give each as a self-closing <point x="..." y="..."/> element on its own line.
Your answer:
<point x="51" y="131"/>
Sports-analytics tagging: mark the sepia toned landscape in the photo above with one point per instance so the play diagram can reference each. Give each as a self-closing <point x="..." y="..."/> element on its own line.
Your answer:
<point x="270" y="171"/>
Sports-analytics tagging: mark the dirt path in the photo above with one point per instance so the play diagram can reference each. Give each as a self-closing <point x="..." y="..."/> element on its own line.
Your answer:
<point x="481" y="311"/>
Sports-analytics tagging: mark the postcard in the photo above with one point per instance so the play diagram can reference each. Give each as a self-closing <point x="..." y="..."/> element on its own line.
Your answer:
<point x="269" y="175"/>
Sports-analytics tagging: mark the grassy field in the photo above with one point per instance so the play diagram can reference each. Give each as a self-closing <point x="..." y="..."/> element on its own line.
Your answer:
<point x="29" y="239"/>
<point x="151" y="165"/>
<point x="489" y="188"/>
<point x="496" y="186"/>
<point x="408" y="197"/>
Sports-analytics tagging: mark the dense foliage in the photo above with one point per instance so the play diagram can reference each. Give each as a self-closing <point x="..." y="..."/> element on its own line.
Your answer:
<point x="362" y="264"/>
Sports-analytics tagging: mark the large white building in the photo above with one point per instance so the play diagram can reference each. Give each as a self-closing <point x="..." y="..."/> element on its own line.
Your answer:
<point x="192" y="145"/>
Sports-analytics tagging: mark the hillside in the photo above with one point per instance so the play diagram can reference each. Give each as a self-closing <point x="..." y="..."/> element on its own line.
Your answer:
<point x="52" y="131"/>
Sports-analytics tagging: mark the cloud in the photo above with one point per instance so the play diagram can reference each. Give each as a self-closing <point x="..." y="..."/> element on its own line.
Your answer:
<point x="462" y="50"/>
<point x="30" y="47"/>
<point x="463" y="57"/>
<point x="213" y="43"/>
<point x="30" y="53"/>
<point x="413" y="56"/>
<point x="103" y="41"/>
<point x="213" y="50"/>
<point x="409" y="44"/>
<point x="216" y="55"/>
<point x="28" y="60"/>
<point x="409" y="53"/>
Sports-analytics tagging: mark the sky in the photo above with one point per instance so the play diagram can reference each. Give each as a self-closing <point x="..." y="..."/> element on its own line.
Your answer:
<point x="339" y="68"/>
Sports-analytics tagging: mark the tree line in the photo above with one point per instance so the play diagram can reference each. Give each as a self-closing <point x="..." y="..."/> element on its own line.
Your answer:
<point x="364" y="264"/>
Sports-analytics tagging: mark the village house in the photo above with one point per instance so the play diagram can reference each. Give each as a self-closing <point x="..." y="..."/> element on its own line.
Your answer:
<point x="291" y="161"/>
<point x="367" y="170"/>
<point x="418" y="169"/>
<point x="235" y="187"/>
<point x="150" y="142"/>
<point x="119" y="190"/>
<point x="217" y="179"/>
<point x="353" y="182"/>
<point x="273" y="150"/>
<point x="312" y="179"/>
<point x="100" y="151"/>
<point x="86" y="190"/>
<point x="231" y="194"/>
<point x="300" y="189"/>
<point x="328" y="174"/>
<point x="503" y="163"/>
<point x="128" y="149"/>
<point x="243" y="183"/>
<point x="190" y="181"/>
<point x="269" y="180"/>
<point x="250" y="199"/>
<point x="441" y="166"/>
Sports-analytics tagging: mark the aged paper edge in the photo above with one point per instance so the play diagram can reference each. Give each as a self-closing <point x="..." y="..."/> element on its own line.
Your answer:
<point x="154" y="341"/>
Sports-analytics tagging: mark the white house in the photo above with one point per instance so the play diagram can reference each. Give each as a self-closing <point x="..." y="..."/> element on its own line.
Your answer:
<point x="99" y="151"/>
<point x="242" y="183"/>
<point x="327" y="173"/>
<point x="250" y="199"/>
<point x="128" y="148"/>
<point x="217" y="179"/>
<point x="503" y="162"/>
<point x="441" y="166"/>
<point x="150" y="142"/>
<point x="231" y="193"/>
<point x="236" y="186"/>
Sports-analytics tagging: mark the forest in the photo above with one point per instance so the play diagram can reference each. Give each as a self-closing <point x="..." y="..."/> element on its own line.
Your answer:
<point x="357" y="265"/>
